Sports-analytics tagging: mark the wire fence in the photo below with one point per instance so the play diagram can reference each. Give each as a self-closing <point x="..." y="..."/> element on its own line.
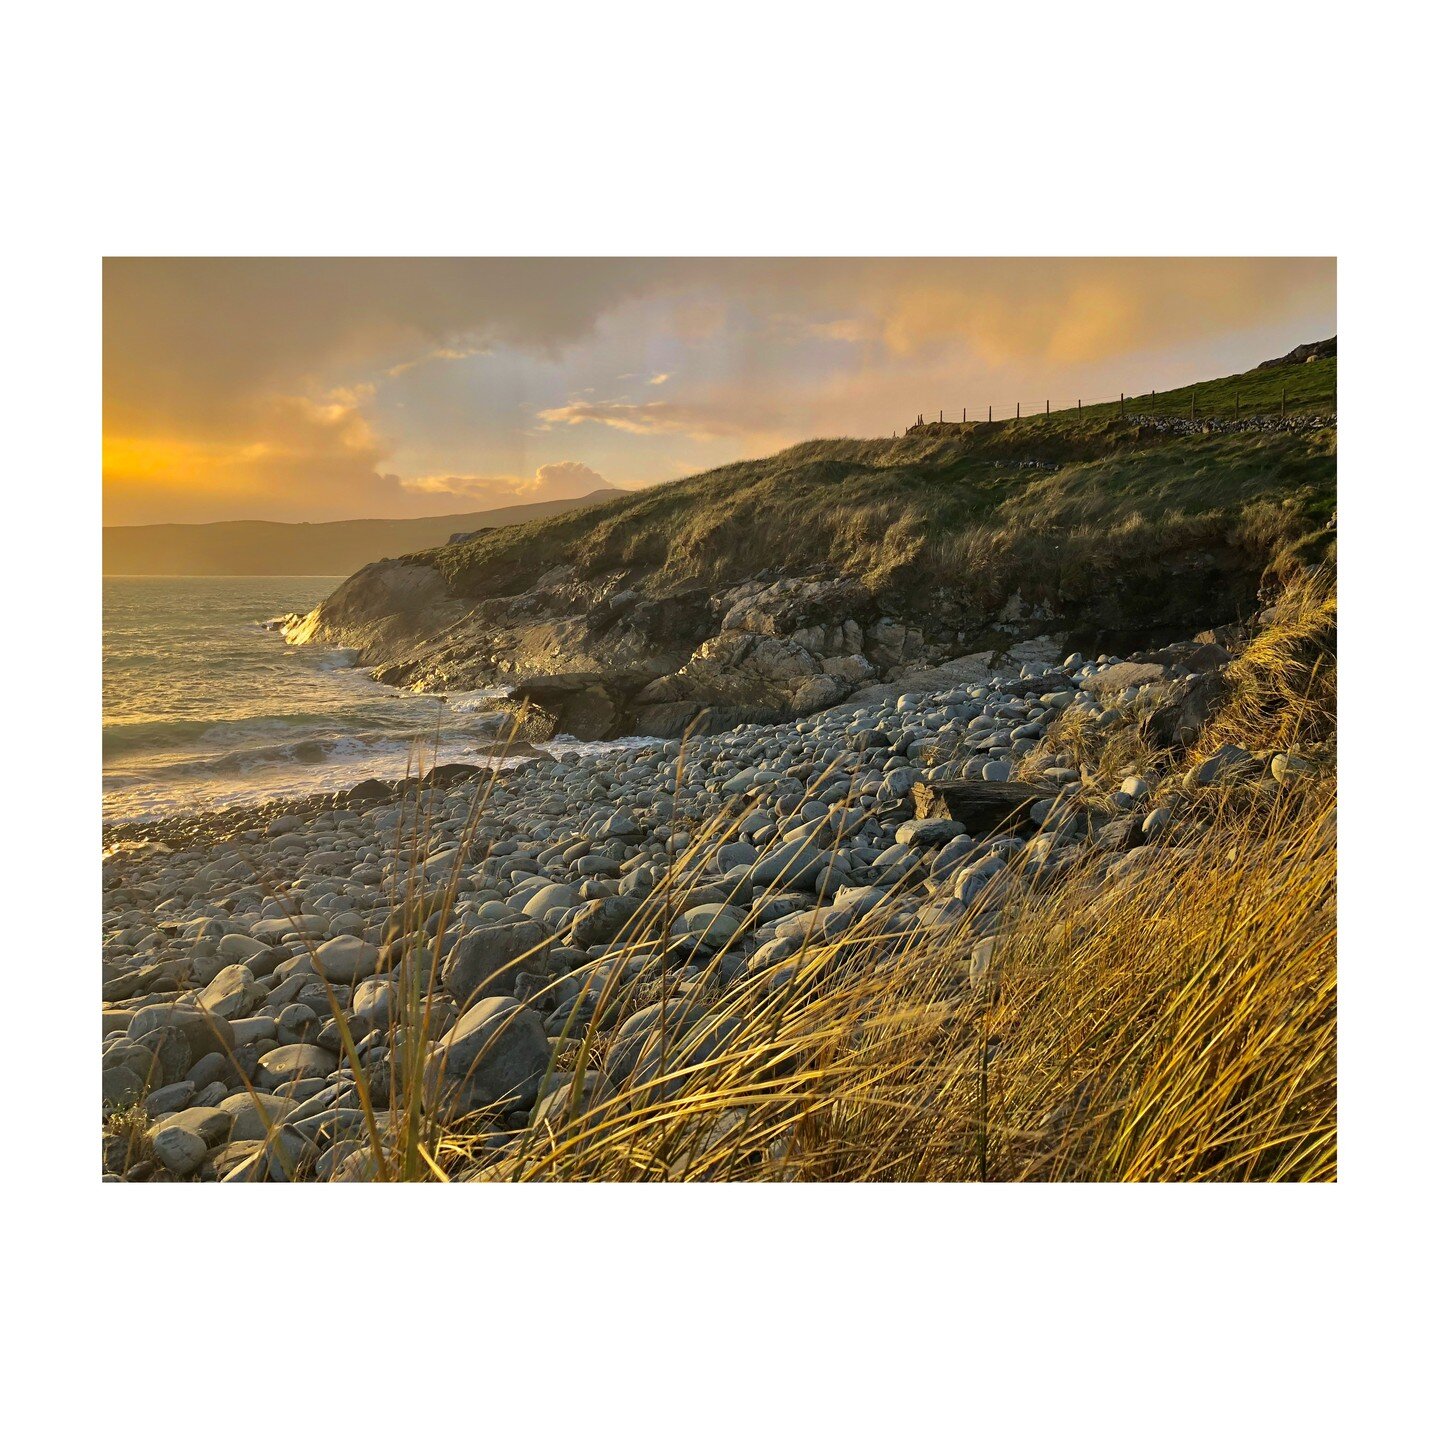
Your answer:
<point x="1305" y="403"/>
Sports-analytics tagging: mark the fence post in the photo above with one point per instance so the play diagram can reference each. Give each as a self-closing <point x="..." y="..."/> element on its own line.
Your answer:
<point x="1079" y="404"/>
<point x="990" y="413"/>
<point x="942" y="417"/>
<point x="964" y="412"/>
<point x="1047" y="406"/>
<point x="1017" y="409"/>
<point x="1122" y="404"/>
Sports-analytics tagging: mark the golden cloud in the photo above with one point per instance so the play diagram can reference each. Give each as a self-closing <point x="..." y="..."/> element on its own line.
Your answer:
<point x="699" y="421"/>
<point x="561" y="480"/>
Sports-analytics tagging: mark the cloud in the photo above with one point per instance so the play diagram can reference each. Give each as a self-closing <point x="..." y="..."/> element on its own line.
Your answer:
<point x="560" y="480"/>
<point x="699" y="421"/>
<point x="296" y="388"/>
<point x="444" y="352"/>
<point x="276" y="456"/>
<point x="846" y="329"/>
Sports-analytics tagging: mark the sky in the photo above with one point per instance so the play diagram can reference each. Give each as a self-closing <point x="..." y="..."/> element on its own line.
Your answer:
<point x="330" y="389"/>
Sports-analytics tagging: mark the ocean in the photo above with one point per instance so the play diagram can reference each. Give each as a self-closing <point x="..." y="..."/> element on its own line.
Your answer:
<point x="205" y="707"/>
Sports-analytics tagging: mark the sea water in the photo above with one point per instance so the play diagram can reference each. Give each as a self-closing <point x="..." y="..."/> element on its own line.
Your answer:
<point x="205" y="707"/>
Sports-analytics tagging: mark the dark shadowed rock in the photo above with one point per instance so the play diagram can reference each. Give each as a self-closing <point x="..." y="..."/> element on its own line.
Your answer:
<point x="203" y="1031"/>
<point x="485" y="961"/>
<point x="498" y="1051"/>
<point x="981" y="806"/>
<point x="1183" y="709"/>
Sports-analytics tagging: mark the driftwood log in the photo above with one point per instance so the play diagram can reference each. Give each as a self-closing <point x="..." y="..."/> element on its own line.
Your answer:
<point x="981" y="806"/>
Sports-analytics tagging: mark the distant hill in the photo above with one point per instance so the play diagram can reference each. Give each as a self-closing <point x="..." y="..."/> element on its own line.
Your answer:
<point x="336" y="547"/>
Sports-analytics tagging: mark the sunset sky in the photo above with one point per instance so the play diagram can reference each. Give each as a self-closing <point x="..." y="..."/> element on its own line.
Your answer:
<point x="322" y="389"/>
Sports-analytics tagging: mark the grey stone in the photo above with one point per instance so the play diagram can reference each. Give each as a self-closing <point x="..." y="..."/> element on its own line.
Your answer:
<point x="179" y="1150"/>
<point x="497" y="1051"/>
<point x="928" y="834"/>
<point x="203" y="1032"/>
<point x="601" y="921"/>
<point x="233" y="993"/>
<point x="797" y="863"/>
<point x="711" y="925"/>
<point x="347" y="958"/>
<point x="1227" y="764"/>
<point x="293" y="1062"/>
<point x="485" y="961"/>
<point x="169" y="1098"/>
<point x="631" y="1038"/>
<point x="374" y="1003"/>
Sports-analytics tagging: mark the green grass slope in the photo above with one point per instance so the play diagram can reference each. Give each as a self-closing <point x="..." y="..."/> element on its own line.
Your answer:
<point x="1297" y="389"/>
<point x="1055" y="506"/>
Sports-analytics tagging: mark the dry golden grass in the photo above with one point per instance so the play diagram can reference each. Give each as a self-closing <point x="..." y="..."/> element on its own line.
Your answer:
<point x="1284" y="683"/>
<point x="1172" y="1020"/>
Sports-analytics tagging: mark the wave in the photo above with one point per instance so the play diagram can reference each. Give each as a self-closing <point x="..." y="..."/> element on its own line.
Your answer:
<point x="311" y="750"/>
<point x="388" y="717"/>
<point x="136" y="737"/>
<point x="138" y="792"/>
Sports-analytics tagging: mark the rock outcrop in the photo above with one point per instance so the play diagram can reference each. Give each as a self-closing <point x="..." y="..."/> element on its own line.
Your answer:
<point x="774" y="589"/>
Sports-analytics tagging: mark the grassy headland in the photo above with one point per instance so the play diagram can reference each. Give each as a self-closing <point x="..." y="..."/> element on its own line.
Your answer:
<point x="1053" y="506"/>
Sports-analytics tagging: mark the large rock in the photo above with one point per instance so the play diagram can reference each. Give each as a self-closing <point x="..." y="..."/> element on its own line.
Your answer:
<point x="292" y="1062"/>
<point x="633" y="1036"/>
<point x="170" y="1055"/>
<point x="1227" y="765"/>
<point x="616" y="825"/>
<point x="240" y="947"/>
<point x="233" y="994"/>
<point x="182" y="1141"/>
<point x="374" y="1003"/>
<point x="347" y="958"/>
<point x="484" y="962"/>
<point x="179" y="1150"/>
<point x="666" y="1064"/>
<point x="601" y="921"/>
<point x="711" y="926"/>
<point x="1182" y="708"/>
<point x="497" y="1053"/>
<point x="562" y="1097"/>
<point x="793" y="604"/>
<point x="551" y="897"/>
<point x="744" y="674"/>
<point x="928" y="834"/>
<point x="586" y="705"/>
<point x="254" y="1116"/>
<point x="1119" y="677"/>
<point x="205" y="1033"/>
<point x="381" y="610"/>
<point x="797" y="864"/>
<point x="966" y="670"/>
<point x="981" y="806"/>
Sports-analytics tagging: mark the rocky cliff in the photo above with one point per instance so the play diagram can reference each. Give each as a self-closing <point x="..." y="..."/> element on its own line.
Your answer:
<point x="779" y="587"/>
